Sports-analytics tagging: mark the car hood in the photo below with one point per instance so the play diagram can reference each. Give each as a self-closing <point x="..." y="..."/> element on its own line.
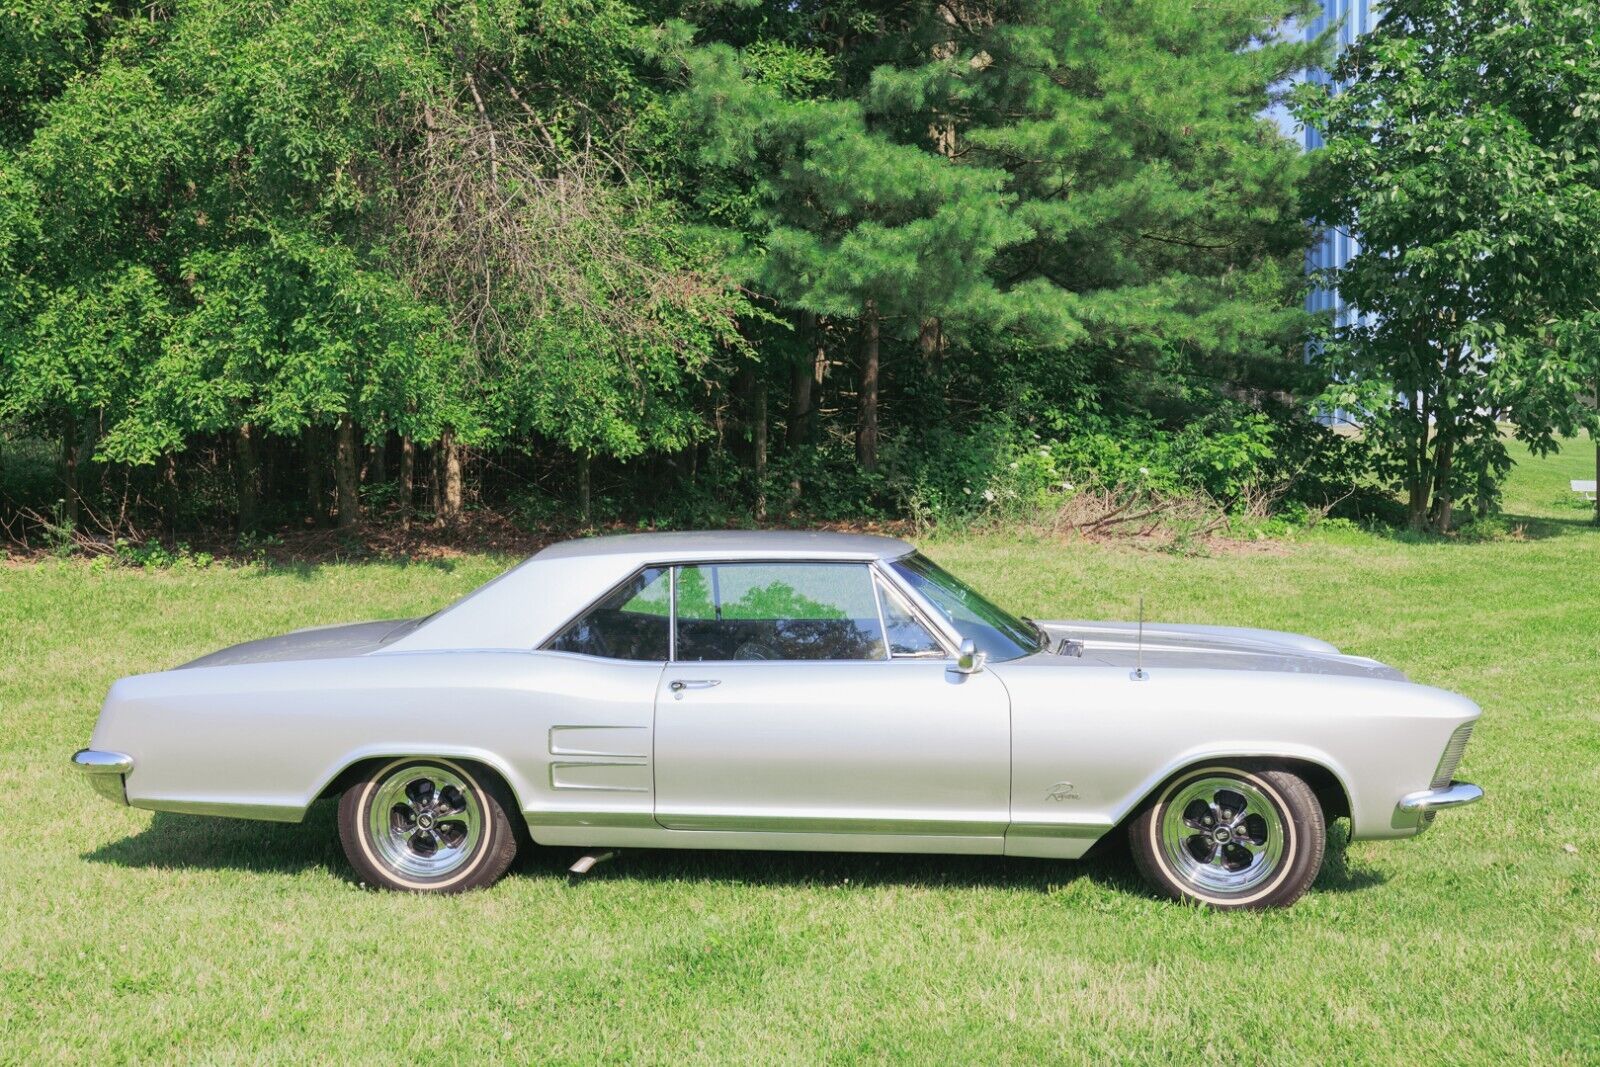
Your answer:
<point x="314" y="642"/>
<point x="1228" y="648"/>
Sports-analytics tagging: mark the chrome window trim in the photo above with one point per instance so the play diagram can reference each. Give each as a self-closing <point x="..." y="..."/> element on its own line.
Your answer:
<point x="947" y="636"/>
<point x="555" y="635"/>
<point x="869" y="564"/>
<point x="937" y="624"/>
<point x="917" y="615"/>
<point x="672" y="612"/>
<point x="883" y="623"/>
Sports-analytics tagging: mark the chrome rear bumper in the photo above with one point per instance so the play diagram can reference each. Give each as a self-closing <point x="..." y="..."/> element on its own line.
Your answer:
<point x="104" y="771"/>
<point x="1454" y="795"/>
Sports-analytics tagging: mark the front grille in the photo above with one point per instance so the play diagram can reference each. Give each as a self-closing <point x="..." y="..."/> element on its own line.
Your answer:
<point x="1445" y="773"/>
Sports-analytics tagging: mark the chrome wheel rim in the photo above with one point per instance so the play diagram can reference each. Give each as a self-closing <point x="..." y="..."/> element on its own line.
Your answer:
<point x="1222" y="834"/>
<point x="425" y="820"/>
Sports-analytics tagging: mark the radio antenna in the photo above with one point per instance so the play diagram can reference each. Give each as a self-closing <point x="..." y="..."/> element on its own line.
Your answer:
<point x="1138" y="653"/>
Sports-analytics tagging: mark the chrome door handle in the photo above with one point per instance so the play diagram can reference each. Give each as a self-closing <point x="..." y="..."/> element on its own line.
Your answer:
<point x="680" y="684"/>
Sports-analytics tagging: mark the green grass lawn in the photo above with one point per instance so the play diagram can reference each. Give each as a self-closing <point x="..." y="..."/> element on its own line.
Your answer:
<point x="137" y="936"/>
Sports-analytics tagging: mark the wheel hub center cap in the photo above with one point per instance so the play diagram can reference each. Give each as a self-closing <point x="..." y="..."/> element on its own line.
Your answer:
<point x="425" y="821"/>
<point x="1222" y="834"/>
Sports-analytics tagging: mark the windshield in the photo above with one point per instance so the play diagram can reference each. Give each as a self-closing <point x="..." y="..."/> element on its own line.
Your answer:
<point x="993" y="630"/>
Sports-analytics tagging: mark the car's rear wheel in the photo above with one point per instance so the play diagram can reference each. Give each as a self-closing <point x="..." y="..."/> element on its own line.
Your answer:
<point x="1231" y="837"/>
<point x="427" y="825"/>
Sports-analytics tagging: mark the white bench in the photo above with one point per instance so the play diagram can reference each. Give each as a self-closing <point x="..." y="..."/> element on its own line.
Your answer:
<point x="1584" y="489"/>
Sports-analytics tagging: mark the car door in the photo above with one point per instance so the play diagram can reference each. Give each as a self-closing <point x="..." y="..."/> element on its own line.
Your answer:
<point x="594" y="699"/>
<point x="790" y="707"/>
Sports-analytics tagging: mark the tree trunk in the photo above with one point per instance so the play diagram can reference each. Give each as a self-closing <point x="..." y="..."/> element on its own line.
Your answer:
<point x="930" y="342"/>
<point x="805" y="388"/>
<point x="450" y="468"/>
<point x="436" y="480"/>
<point x="867" y="429"/>
<point x="930" y="345"/>
<point x="1418" y="475"/>
<point x="168" y="492"/>
<point x="794" y="430"/>
<point x="758" y="442"/>
<point x="316" y="490"/>
<point x="1440" y="513"/>
<point x="801" y="377"/>
<point x="584" y="488"/>
<point x="249" y="478"/>
<point x="1597" y="478"/>
<point x="408" y="476"/>
<point x="378" y="459"/>
<point x="69" y="478"/>
<point x="347" y="473"/>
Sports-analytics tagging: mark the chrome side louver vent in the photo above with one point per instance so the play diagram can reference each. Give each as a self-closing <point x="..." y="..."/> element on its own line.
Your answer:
<point x="1445" y="773"/>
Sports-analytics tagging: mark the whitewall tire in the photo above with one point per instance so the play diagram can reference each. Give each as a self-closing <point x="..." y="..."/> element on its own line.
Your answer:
<point x="1231" y="836"/>
<point x="428" y="825"/>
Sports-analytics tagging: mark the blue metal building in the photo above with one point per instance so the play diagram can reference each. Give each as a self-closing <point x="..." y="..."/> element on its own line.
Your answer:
<point x="1353" y="18"/>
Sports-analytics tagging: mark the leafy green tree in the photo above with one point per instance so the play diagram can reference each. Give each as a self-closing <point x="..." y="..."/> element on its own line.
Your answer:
<point x="297" y="220"/>
<point x="1463" y="154"/>
<point x="1066" y="206"/>
<point x="843" y="221"/>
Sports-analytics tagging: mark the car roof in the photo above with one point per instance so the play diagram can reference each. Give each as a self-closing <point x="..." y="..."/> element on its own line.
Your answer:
<point x="524" y="606"/>
<point x="691" y="545"/>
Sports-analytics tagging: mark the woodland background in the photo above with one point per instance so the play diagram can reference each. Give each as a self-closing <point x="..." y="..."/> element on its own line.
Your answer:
<point x="281" y="265"/>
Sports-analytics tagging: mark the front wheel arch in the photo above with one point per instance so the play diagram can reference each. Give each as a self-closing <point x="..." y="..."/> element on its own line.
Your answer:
<point x="1329" y="788"/>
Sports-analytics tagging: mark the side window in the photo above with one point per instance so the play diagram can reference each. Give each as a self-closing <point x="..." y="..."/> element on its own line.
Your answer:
<point x="784" y="611"/>
<point x="908" y="638"/>
<point x="632" y="622"/>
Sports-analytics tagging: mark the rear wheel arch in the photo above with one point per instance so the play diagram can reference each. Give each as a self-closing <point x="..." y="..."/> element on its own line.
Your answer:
<point x="357" y="770"/>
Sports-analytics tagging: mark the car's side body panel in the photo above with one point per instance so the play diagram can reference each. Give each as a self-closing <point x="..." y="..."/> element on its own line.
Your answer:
<point x="1090" y="741"/>
<point x="900" y="747"/>
<point x="569" y="734"/>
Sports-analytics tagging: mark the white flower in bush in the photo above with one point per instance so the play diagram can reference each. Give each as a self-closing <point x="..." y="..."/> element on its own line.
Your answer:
<point x="1145" y="471"/>
<point x="988" y="494"/>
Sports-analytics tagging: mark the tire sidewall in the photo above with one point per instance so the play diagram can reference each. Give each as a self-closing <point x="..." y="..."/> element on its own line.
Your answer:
<point x="481" y="869"/>
<point x="1302" y="829"/>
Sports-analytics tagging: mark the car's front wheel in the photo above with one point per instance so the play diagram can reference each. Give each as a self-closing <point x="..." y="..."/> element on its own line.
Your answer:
<point x="428" y="825"/>
<point x="1231" y="837"/>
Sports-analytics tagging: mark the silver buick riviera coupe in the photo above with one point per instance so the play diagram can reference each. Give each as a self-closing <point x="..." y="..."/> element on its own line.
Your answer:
<point x="799" y="691"/>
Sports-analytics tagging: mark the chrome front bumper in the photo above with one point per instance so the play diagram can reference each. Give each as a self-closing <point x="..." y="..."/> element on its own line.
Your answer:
<point x="1454" y="795"/>
<point x="104" y="771"/>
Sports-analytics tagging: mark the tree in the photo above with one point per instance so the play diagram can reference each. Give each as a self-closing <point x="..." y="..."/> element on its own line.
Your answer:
<point x="843" y="220"/>
<point x="1463" y="154"/>
<point x="1057" y="211"/>
<point x="326" y="221"/>
<point x="586" y="244"/>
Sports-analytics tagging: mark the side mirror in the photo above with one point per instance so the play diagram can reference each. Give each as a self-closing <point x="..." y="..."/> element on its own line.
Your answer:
<point x="969" y="660"/>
